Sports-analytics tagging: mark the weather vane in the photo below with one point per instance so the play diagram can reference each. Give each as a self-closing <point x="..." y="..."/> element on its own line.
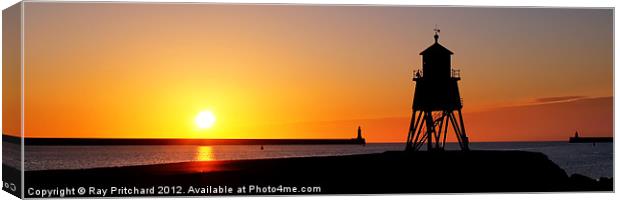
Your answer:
<point x="436" y="33"/>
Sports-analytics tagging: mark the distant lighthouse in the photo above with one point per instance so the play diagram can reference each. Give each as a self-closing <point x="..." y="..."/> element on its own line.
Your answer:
<point x="436" y="98"/>
<point x="359" y="139"/>
<point x="359" y="133"/>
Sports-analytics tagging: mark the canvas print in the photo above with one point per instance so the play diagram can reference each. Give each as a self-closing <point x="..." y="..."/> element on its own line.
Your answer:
<point x="112" y="99"/>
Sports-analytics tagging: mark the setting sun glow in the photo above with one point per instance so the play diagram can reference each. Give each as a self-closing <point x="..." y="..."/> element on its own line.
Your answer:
<point x="205" y="119"/>
<point x="262" y="77"/>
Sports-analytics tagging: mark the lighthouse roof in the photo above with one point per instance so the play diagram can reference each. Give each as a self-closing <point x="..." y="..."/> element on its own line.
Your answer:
<point x="436" y="48"/>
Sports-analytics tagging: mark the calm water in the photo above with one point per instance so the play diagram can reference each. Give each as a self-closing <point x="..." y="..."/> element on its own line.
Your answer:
<point x="586" y="159"/>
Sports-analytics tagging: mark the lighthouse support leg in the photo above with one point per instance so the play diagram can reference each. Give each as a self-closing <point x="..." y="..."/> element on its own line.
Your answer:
<point x="438" y="133"/>
<point x="464" y="137"/>
<point x="412" y="138"/>
<point x="419" y="138"/>
<point x="445" y="130"/>
<point x="411" y="130"/>
<point x="456" y="128"/>
<point x="430" y="129"/>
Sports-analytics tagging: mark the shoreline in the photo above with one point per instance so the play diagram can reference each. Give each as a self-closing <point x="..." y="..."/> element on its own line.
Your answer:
<point x="380" y="173"/>
<point x="594" y="161"/>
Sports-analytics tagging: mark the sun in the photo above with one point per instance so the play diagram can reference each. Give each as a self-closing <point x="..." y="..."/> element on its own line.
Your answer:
<point x="205" y="119"/>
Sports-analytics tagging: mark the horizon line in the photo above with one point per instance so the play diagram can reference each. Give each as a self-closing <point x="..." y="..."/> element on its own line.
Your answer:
<point x="368" y="142"/>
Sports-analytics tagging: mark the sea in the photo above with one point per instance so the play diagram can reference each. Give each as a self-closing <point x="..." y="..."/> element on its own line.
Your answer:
<point x="593" y="160"/>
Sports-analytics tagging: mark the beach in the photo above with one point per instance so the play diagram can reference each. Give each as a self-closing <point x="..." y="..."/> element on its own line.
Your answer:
<point x="379" y="173"/>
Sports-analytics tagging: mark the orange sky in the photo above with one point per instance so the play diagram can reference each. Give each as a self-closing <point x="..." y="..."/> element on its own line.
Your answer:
<point x="266" y="71"/>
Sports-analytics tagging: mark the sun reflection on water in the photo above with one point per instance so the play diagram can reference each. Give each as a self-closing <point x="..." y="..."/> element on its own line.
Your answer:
<point x="204" y="153"/>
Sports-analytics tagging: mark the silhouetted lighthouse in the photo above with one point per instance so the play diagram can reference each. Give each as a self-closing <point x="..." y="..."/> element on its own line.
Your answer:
<point x="435" y="100"/>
